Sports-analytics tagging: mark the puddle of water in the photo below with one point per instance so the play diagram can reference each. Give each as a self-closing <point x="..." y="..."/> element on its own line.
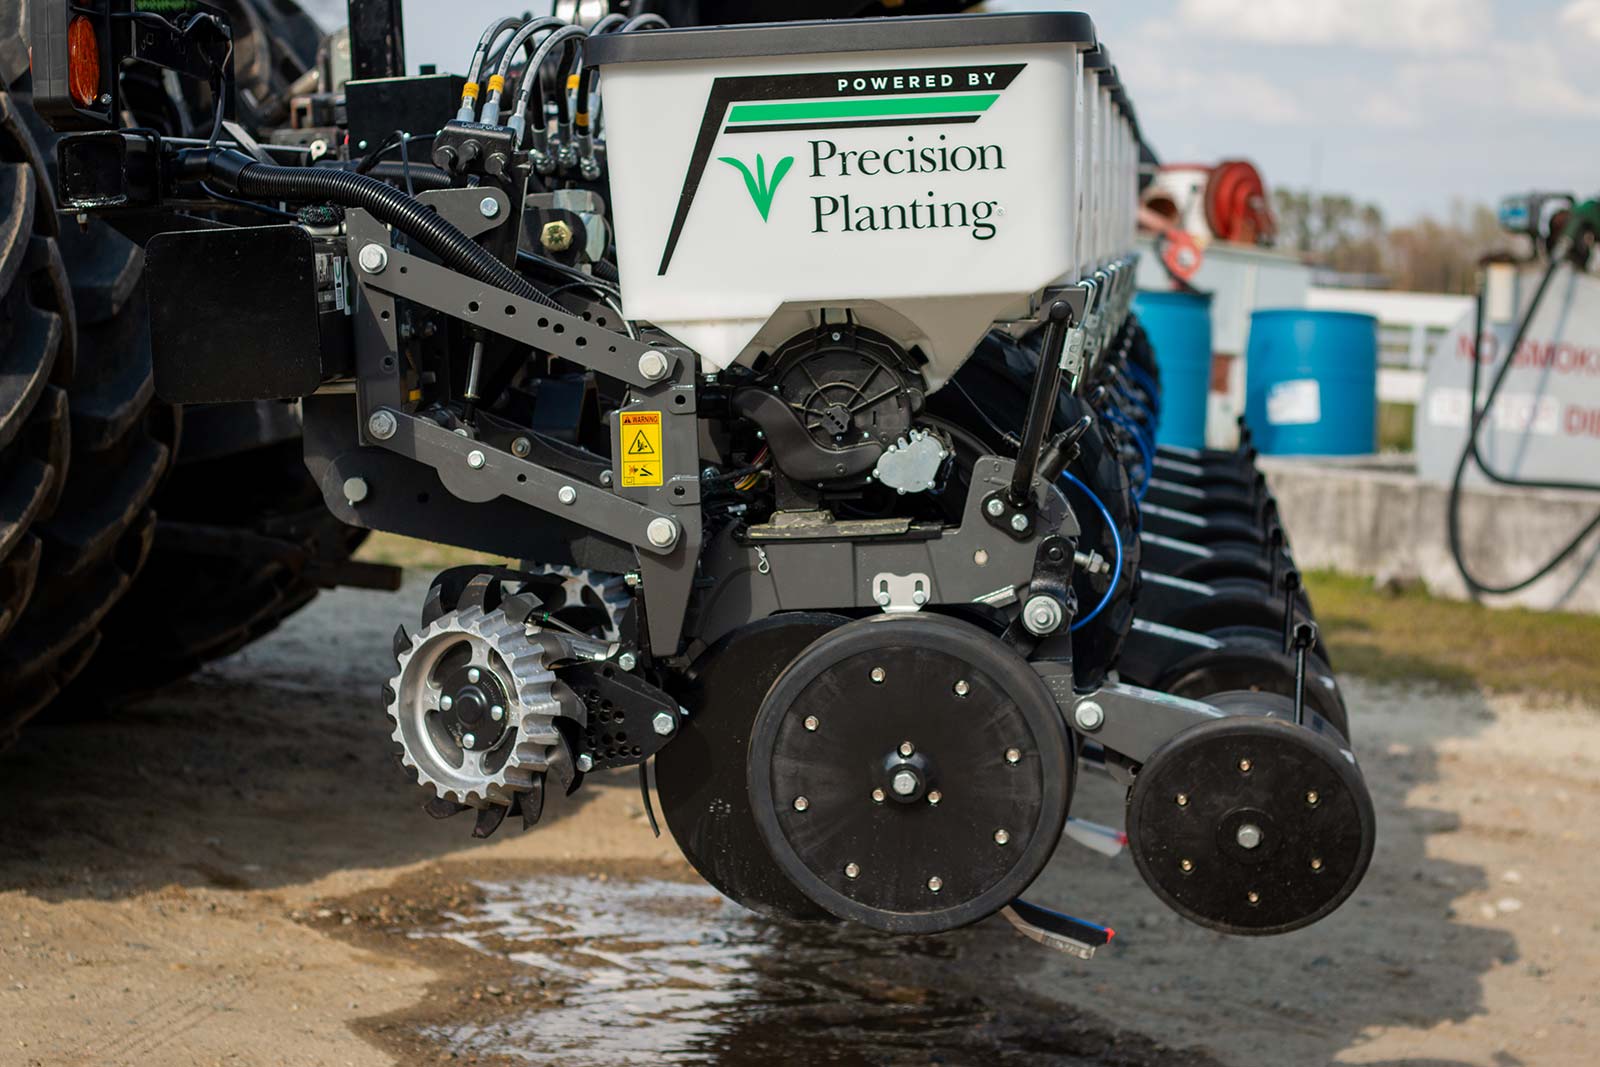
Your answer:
<point x="667" y="973"/>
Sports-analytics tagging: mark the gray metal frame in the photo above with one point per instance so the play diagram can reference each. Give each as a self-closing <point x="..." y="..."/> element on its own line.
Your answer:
<point x="660" y="376"/>
<point x="973" y="563"/>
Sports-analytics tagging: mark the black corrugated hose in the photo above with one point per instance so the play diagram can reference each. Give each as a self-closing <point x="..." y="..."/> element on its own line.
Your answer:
<point x="236" y="171"/>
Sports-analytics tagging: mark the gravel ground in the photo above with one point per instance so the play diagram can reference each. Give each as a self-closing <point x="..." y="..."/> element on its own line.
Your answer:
<point x="236" y="873"/>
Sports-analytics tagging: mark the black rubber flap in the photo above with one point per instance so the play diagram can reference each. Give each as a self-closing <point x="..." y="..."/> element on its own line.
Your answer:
<point x="233" y="314"/>
<point x="842" y="35"/>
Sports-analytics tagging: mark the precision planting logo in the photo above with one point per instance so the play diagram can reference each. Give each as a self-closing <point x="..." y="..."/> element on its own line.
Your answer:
<point x="760" y="191"/>
<point x="931" y="96"/>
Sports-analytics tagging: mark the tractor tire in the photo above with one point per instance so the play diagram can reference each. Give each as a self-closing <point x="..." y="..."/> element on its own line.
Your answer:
<point x="243" y="538"/>
<point x="243" y="541"/>
<point x="82" y="444"/>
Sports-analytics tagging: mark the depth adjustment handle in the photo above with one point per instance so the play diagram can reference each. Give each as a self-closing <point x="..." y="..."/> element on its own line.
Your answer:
<point x="1041" y="403"/>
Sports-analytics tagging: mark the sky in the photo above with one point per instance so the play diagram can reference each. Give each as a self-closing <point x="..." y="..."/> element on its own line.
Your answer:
<point x="1412" y="104"/>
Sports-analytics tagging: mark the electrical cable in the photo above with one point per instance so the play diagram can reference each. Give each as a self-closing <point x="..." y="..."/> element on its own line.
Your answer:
<point x="1471" y="454"/>
<point x="1116" y="538"/>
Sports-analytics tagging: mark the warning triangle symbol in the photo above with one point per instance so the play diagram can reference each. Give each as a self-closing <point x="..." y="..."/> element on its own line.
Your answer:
<point x="641" y="445"/>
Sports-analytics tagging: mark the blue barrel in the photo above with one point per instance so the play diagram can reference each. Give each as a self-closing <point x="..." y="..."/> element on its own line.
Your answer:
<point x="1311" y="382"/>
<point x="1179" y="327"/>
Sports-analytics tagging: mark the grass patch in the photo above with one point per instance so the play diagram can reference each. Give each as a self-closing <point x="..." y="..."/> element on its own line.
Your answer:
<point x="1396" y="427"/>
<point x="1405" y="635"/>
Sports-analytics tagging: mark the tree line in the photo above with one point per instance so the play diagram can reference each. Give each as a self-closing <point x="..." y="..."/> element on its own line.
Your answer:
<point x="1334" y="232"/>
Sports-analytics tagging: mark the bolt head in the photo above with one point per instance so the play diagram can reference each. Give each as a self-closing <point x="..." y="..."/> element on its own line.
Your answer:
<point x="878" y="796"/>
<point x="556" y="236"/>
<point x="468" y="740"/>
<point x="852" y="870"/>
<point x="1183" y="800"/>
<point x="373" y="258"/>
<point x="663" y="724"/>
<point x="1002" y="837"/>
<point x="907" y="748"/>
<point x="355" y="490"/>
<point x="882" y="599"/>
<point x="919" y="598"/>
<point x="801" y="803"/>
<point x="663" y="533"/>
<point x="1089" y="715"/>
<point x="962" y="688"/>
<point x="1312" y="799"/>
<point x="995" y="508"/>
<point x="489" y="207"/>
<point x="497" y="713"/>
<point x="935" y="884"/>
<point x="627" y="661"/>
<point x="1042" y="615"/>
<point x="934" y="797"/>
<point x="1186" y="865"/>
<point x="476" y="459"/>
<point x="567" y="495"/>
<point x="446" y="702"/>
<point x="653" y="365"/>
<point x="521" y="447"/>
<point x="474" y="674"/>
<point x="812" y="722"/>
<point x="878" y="675"/>
<point x="1253" y="897"/>
<point x="1244" y="766"/>
<point x="1248" y="835"/>
<point x="1316" y="864"/>
<point x="904" y="783"/>
<point x="1013" y="755"/>
<point x="585" y="763"/>
<point x="981" y="557"/>
<point x="382" y="425"/>
<point x="1019" y="522"/>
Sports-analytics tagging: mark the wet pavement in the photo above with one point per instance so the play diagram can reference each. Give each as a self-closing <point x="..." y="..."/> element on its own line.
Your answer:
<point x="664" y="972"/>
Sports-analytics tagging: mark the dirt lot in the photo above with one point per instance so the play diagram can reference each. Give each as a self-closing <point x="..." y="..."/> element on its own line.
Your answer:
<point x="236" y="873"/>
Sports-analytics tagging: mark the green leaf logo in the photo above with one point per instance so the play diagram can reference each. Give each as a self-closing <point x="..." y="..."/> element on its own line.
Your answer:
<point x="760" y="192"/>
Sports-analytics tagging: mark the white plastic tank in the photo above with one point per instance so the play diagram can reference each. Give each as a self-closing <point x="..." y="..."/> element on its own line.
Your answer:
<point x="919" y="173"/>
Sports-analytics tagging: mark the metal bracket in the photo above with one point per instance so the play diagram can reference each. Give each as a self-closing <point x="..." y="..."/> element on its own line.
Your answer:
<point x="582" y="340"/>
<point x="476" y="472"/>
<point x="1124" y="719"/>
<point x="901" y="592"/>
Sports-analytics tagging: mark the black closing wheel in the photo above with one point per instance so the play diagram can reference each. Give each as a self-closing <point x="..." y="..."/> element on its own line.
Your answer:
<point x="910" y="773"/>
<point x="700" y="776"/>
<point x="1251" y="825"/>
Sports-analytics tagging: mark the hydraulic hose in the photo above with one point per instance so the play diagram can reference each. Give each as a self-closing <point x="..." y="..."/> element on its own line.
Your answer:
<point x="530" y="78"/>
<point x="238" y="172"/>
<point x="520" y="40"/>
<point x="1470" y="453"/>
<point x="1116" y="538"/>
<point x="469" y="93"/>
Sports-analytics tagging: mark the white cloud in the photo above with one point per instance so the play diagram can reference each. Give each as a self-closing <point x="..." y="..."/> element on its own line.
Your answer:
<point x="1523" y="79"/>
<point x="1403" y="25"/>
<point x="1583" y="16"/>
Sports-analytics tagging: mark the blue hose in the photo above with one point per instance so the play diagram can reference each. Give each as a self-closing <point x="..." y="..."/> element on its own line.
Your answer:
<point x="1146" y="452"/>
<point x="1116" y="537"/>
<point x="1142" y="377"/>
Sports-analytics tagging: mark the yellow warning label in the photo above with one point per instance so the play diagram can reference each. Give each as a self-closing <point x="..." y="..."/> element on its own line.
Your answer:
<point x="641" y="448"/>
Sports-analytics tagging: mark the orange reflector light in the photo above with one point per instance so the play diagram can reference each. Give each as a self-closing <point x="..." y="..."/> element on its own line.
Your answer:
<point x="83" y="62"/>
